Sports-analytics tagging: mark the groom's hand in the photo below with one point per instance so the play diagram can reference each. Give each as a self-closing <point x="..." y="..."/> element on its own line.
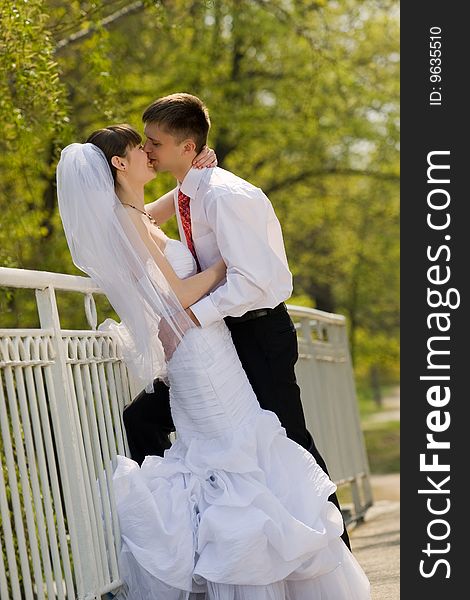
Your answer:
<point x="206" y="158"/>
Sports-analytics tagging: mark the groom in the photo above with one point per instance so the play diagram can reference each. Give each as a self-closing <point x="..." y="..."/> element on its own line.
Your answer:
<point x="220" y="214"/>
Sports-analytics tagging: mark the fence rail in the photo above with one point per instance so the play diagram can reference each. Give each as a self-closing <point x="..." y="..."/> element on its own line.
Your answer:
<point x="326" y="379"/>
<point x="62" y="394"/>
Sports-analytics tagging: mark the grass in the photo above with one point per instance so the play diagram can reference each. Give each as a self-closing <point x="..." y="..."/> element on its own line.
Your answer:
<point x="365" y="399"/>
<point x="382" y="437"/>
<point x="383" y="447"/>
<point x="382" y="442"/>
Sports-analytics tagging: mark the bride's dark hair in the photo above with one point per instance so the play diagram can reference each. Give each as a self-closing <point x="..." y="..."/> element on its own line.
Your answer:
<point x="115" y="140"/>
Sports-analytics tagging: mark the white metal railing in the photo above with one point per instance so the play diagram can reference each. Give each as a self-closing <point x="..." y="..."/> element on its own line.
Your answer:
<point x="326" y="379"/>
<point x="62" y="395"/>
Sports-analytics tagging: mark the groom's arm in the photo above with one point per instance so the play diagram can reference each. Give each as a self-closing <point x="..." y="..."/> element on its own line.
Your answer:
<point x="163" y="208"/>
<point x="241" y="224"/>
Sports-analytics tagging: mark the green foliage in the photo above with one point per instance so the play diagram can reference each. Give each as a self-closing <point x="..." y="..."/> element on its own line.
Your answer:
<point x="32" y="115"/>
<point x="304" y="102"/>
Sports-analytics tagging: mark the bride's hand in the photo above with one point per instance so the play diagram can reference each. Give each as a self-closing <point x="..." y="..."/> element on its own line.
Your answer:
<point x="206" y="158"/>
<point x="168" y="338"/>
<point x="170" y="333"/>
<point x="192" y="316"/>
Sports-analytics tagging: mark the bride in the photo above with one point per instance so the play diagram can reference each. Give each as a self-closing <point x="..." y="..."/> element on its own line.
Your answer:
<point x="234" y="510"/>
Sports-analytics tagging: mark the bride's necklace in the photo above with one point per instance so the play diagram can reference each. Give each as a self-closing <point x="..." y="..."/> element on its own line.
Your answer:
<point x="141" y="211"/>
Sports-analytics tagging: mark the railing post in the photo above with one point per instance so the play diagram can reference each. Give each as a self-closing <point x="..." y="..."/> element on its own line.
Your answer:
<point x="367" y="497"/>
<point x="68" y="443"/>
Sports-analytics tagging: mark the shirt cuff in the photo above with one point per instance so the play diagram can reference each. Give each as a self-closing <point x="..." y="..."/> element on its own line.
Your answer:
<point x="206" y="312"/>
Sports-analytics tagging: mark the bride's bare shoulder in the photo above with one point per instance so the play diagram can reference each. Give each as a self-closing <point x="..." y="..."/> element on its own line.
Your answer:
<point x="145" y="227"/>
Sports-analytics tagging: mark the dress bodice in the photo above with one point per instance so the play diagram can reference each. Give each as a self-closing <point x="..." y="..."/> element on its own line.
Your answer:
<point x="180" y="258"/>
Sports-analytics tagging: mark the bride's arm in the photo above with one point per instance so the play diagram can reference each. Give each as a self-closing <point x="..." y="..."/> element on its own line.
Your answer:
<point x="163" y="208"/>
<point x="187" y="290"/>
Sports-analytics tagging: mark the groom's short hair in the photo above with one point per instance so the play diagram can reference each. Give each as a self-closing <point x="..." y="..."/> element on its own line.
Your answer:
<point x="182" y="115"/>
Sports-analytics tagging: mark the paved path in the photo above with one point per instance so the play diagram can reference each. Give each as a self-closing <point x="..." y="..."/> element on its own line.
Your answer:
<point x="376" y="541"/>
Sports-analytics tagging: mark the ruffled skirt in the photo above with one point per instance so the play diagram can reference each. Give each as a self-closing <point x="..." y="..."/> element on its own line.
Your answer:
<point x="244" y="516"/>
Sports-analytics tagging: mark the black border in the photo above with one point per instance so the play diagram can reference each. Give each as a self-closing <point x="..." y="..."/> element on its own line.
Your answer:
<point x="426" y="128"/>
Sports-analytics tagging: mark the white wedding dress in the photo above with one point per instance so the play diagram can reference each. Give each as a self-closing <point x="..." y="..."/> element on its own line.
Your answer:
<point x="235" y="510"/>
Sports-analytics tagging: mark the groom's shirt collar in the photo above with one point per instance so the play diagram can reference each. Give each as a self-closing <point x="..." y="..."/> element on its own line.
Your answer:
<point x="191" y="182"/>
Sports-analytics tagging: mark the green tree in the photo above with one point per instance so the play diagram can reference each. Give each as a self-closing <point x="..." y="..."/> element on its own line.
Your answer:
<point x="304" y="103"/>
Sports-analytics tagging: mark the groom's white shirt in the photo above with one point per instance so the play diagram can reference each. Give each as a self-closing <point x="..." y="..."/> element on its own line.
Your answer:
<point x="233" y="219"/>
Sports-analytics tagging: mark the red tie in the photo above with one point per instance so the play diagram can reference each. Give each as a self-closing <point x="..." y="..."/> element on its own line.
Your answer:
<point x="185" y="214"/>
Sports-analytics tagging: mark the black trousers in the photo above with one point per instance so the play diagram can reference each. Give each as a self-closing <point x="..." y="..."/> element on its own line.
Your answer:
<point x="148" y="422"/>
<point x="268" y="350"/>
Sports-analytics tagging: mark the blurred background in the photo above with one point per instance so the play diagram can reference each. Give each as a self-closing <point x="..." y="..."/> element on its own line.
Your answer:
<point x="304" y="101"/>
